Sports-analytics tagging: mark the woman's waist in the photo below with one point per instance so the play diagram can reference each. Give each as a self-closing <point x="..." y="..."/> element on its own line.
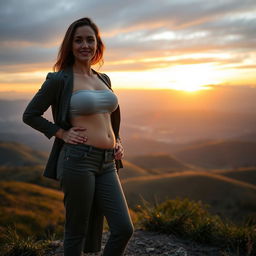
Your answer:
<point x="87" y="147"/>
<point x="98" y="136"/>
<point x="98" y="130"/>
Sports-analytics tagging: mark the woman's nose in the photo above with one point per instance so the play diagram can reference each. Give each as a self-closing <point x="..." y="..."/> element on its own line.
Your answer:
<point x="85" y="44"/>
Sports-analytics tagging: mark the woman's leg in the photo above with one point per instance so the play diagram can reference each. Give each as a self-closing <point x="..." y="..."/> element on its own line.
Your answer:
<point x="78" y="185"/>
<point x="110" y="197"/>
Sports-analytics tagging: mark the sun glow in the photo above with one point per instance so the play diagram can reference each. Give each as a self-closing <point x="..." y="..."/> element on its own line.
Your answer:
<point x="188" y="78"/>
<point x="192" y="78"/>
<point x="188" y="88"/>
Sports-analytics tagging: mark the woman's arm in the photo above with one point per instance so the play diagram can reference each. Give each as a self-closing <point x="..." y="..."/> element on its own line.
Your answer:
<point x="45" y="97"/>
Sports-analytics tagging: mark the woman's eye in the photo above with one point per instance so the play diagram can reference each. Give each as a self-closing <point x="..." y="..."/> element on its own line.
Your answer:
<point x="78" y="40"/>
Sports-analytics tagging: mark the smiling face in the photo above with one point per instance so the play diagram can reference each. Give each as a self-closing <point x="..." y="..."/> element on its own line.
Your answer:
<point x="84" y="44"/>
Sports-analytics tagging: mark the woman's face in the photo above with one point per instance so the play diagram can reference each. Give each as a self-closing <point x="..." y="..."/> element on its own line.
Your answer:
<point x="84" y="44"/>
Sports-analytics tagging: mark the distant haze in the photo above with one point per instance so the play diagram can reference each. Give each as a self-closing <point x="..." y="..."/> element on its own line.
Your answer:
<point x="221" y="98"/>
<point x="150" y="117"/>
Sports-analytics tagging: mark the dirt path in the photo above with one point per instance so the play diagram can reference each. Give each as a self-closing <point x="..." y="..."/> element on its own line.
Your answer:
<point x="145" y="243"/>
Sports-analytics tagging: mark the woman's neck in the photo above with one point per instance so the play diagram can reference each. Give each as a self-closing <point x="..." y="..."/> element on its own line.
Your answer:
<point x="82" y="69"/>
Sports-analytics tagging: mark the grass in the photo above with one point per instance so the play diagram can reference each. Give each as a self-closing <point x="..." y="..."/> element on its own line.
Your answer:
<point x="12" y="244"/>
<point x="29" y="215"/>
<point x="238" y="203"/>
<point x="191" y="220"/>
<point x="184" y="218"/>
<point x="32" y="209"/>
<point x="38" y="214"/>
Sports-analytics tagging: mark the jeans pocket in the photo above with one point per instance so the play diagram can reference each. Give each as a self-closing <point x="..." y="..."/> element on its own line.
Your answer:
<point x="73" y="153"/>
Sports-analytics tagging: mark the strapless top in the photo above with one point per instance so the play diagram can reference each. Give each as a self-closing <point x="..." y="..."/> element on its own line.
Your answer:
<point x="87" y="102"/>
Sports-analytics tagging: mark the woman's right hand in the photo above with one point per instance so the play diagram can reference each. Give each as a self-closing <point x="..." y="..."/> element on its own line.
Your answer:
<point x="72" y="135"/>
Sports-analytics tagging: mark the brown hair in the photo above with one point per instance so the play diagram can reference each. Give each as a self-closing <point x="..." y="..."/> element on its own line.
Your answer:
<point x="65" y="56"/>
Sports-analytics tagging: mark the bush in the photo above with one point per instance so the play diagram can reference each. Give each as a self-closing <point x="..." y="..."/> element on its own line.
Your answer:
<point x="13" y="244"/>
<point x="191" y="219"/>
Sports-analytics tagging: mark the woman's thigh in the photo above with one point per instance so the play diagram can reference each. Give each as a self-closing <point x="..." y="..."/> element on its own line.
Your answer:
<point x="78" y="184"/>
<point x="111" y="200"/>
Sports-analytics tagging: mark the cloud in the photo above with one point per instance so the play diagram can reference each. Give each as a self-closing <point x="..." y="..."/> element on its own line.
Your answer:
<point x="26" y="55"/>
<point x="31" y="31"/>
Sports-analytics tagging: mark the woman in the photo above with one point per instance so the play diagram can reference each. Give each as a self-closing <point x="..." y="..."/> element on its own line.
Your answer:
<point x="87" y="149"/>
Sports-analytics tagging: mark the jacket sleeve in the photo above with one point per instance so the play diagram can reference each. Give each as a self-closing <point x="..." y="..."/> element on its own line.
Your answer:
<point x="41" y="101"/>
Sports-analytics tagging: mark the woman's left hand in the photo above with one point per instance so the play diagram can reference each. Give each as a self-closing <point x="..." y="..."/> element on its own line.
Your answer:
<point x="119" y="150"/>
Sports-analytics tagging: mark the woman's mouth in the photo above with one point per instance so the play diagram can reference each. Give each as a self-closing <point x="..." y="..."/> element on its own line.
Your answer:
<point x="84" y="52"/>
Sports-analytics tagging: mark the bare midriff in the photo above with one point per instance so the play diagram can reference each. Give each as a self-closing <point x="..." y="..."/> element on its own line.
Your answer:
<point x="98" y="131"/>
<point x="98" y="126"/>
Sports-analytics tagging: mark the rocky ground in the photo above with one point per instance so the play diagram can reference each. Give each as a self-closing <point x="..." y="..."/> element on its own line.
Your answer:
<point x="148" y="243"/>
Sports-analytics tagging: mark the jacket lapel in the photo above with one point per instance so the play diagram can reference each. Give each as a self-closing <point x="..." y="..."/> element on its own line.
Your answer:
<point x="67" y="76"/>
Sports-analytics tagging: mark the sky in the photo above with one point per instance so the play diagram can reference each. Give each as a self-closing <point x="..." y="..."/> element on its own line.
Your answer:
<point x="162" y="44"/>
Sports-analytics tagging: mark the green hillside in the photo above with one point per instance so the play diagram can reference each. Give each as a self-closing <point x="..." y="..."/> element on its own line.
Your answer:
<point x="131" y="170"/>
<point x="33" y="174"/>
<point x="231" y="193"/>
<point x="16" y="154"/>
<point x="159" y="163"/>
<point x="228" y="197"/>
<point x="34" y="210"/>
<point x="243" y="174"/>
<point x="29" y="174"/>
<point x="219" y="154"/>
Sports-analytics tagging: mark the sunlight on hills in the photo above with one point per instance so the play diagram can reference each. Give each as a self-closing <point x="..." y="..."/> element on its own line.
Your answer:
<point x="227" y="197"/>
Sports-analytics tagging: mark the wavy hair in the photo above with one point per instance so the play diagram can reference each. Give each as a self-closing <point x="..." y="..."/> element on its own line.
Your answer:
<point x="65" y="56"/>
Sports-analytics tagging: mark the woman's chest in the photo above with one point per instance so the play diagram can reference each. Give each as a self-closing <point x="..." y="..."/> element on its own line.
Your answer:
<point x="87" y="83"/>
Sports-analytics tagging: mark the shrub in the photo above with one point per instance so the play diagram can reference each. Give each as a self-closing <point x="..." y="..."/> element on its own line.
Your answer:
<point x="191" y="219"/>
<point x="13" y="244"/>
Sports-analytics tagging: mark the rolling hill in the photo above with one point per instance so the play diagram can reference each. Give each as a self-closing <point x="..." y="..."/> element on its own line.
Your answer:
<point x="135" y="145"/>
<point x="229" y="192"/>
<point x="33" y="174"/>
<point x="220" y="154"/>
<point x="19" y="162"/>
<point x="159" y="163"/>
<point x="131" y="170"/>
<point x="243" y="174"/>
<point x="17" y="154"/>
<point x="29" y="174"/>
<point x="228" y="197"/>
<point x="32" y="209"/>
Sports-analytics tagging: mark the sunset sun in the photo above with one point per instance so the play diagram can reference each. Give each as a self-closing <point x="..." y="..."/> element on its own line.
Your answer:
<point x="192" y="78"/>
<point x="183" y="86"/>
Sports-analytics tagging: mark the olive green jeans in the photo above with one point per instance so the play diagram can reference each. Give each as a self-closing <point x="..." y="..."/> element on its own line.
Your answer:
<point x="86" y="173"/>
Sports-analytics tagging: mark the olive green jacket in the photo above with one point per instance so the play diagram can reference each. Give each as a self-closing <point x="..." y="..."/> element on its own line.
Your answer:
<point x="56" y="92"/>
